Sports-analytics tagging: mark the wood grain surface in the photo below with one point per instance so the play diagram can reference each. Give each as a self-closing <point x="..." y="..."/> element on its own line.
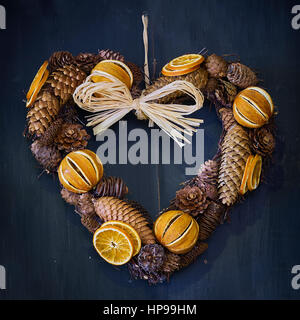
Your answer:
<point x="44" y="248"/>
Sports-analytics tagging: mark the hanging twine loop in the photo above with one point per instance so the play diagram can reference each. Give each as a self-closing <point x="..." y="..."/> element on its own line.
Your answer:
<point x="111" y="100"/>
<point x="145" y="21"/>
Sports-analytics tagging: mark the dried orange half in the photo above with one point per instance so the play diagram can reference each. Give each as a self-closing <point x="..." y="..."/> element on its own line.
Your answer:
<point x="136" y="240"/>
<point x="186" y="61"/>
<point x="113" y="245"/>
<point x="115" y="68"/>
<point x="254" y="172"/>
<point x="243" y="187"/>
<point x="38" y="77"/>
<point x="37" y="89"/>
<point x="166" y="71"/>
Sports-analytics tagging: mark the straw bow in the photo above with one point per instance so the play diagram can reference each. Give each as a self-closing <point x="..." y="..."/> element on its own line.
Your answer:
<point x="111" y="100"/>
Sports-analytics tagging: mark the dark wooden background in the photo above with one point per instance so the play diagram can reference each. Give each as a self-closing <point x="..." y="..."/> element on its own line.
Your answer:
<point x="44" y="248"/>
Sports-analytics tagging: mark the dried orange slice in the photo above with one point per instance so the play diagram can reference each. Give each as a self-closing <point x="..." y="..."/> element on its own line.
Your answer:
<point x="166" y="71"/>
<point x="254" y="172"/>
<point x="186" y="61"/>
<point x="38" y="77"/>
<point x="36" y="91"/>
<point x="113" y="245"/>
<point x="136" y="240"/>
<point x="243" y="187"/>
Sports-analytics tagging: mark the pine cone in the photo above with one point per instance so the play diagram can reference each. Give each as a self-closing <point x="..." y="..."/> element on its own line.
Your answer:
<point x="221" y="92"/>
<point x="60" y="59"/>
<point x="71" y="137"/>
<point x="225" y="93"/>
<point x="51" y="132"/>
<point x="111" y="187"/>
<point x="227" y="117"/>
<point x="70" y="197"/>
<point x="136" y="72"/>
<point x="47" y="156"/>
<point x="135" y="92"/>
<point x="241" y="75"/>
<point x="262" y="141"/>
<point x="151" y="257"/>
<point x="191" y="199"/>
<point x="235" y="152"/>
<point x="211" y="86"/>
<point x="110" y="208"/>
<point x="87" y="61"/>
<point x="42" y="113"/>
<point x="188" y="258"/>
<point x="198" y="78"/>
<point x="216" y="66"/>
<point x="91" y="222"/>
<point x="110" y="55"/>
<point x="137" y="272"/>
<point x="209" y="172"/>
<point x="171" y="263"/>
<point x="141" y="209"/>
<point x="210" y="219"/>
<point x="64" y="81"/>
<point x="85" y="205"/>
<point x="69" y="113"/>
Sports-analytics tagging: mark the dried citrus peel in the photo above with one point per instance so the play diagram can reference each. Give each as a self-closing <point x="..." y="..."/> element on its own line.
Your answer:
<point x="37" y="89"/>
<point x="244" y="187"/>
<point x="37" y="79"/>
<point x="252" y="172"/>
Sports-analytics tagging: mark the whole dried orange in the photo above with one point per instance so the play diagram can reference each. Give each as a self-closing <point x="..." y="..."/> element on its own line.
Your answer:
<point x="80" y="171"/>
<point x="113" y="245"/>
<point x="253" y="107"/>
<point x="130" y="231"/>
<point x="177" y="231"/>
<point x="115" y="68"/>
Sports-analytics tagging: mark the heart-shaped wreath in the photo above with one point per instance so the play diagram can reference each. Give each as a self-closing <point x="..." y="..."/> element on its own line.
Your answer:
<point x="108" y="85"/>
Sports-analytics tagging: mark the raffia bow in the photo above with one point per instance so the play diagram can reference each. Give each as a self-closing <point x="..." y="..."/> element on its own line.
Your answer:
<point x="112" y="101"/>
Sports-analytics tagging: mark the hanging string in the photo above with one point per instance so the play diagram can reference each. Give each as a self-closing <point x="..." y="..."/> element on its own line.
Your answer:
<point x="145" y="39"/>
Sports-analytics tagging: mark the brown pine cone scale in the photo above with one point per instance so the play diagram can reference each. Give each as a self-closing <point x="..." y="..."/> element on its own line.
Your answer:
<point x="71" y="137"/>
<point x="42" y="113"/>
<point x="210" y="219"/>
<point x="110" y="208"/>
<point x="241" y="75"/>
<point x="111" y="187"/>
<point x="47" y="156"/>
